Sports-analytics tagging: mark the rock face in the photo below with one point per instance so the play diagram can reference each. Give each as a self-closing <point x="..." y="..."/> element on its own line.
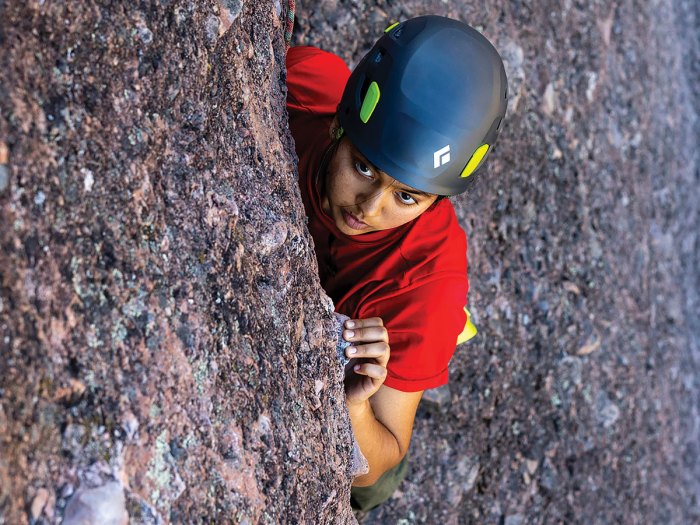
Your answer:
<point x="578" y="401"/>
<point x="167" y="354"/>
<point x="166" y="351"/>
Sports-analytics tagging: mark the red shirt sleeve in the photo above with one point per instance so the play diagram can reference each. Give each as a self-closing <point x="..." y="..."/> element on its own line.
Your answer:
<point x="423" y="325"/>
<point x="315" y="80"/>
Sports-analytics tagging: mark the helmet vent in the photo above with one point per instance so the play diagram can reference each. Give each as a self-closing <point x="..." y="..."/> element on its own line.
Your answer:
<point x="369" y="102"/>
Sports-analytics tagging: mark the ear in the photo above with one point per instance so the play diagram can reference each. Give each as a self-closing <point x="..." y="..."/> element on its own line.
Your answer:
<point x="335" y="130"/>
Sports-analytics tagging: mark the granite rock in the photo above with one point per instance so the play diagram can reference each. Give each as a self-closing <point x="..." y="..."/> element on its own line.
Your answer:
<point x="162" y="327"/>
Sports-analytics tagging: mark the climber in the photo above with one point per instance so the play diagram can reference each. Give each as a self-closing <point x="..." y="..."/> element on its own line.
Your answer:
<point x="380" y="150"/>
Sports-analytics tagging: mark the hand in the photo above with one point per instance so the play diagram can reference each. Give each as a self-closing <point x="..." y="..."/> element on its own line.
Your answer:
<point x="369" y="354"/>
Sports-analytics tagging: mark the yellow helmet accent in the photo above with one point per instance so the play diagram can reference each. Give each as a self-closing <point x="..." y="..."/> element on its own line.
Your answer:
<point x="392" y="26"/>
<point x="469" y="329"/>
<point x="475" y="160"/>
<point x="370" y="102"/>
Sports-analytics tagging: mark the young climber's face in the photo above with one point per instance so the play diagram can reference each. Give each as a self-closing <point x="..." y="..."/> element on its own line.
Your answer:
<point x="361" y="199"/>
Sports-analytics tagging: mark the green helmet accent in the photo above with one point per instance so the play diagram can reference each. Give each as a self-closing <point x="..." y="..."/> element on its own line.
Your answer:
<point x="443" y="97"/>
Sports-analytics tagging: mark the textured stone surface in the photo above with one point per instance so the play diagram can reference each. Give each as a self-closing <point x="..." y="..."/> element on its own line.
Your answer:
<point x="163" y="336"/>
<point x="162" y="330"/>
<point x="578" y="400"/>
<point x="105" y="505"/>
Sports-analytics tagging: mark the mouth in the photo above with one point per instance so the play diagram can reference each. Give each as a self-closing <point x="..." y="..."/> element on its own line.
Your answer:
<point x="353" y="222"/>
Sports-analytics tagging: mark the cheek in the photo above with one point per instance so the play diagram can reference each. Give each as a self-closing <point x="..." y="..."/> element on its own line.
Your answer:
<point x="397" y="215"/>
<point x="333" y="174"/>
<point x="341" y="182"/>
<point x="411" y="213"/>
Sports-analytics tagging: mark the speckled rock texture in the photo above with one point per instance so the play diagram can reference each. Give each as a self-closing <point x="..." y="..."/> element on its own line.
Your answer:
<point x="579" y="400"/>
<point x="166" y="352"/>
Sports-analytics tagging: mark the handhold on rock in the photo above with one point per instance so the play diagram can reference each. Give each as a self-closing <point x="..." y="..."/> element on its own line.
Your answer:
<point x="359" y="464"/>
<point x="342" y="344"/>
<point x="105" y="505"/>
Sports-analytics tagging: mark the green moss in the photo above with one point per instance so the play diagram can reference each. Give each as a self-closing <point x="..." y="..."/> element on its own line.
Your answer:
<point x="118" y="278"/>
<point x="119" y="332"/>
<point x="75" y="263"/>
<point x="190" y="441"/>
<point x="135" y="307"/>
<point x="158" y="471"/>
<point x="556" y="401"/>
<point x="90" y="379"/>
<point x="154" y="411"/>
<point x="201" y="373"/>
<point x="93" y="337"/>
<point x="587" y="394"/>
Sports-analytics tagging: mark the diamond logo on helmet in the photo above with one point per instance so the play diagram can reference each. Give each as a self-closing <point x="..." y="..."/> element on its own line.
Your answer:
<point x="441" y="157"/>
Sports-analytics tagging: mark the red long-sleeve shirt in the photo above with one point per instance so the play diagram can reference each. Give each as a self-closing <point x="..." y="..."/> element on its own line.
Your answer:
<point x="414" y="276"/>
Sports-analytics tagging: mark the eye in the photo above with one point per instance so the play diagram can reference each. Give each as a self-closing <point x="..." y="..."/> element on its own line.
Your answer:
<point x="405" y="198"/>
<point x="363" y="169"/>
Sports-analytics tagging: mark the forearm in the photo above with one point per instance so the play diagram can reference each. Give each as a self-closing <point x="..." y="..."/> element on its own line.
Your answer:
<point x="376" y="442"/>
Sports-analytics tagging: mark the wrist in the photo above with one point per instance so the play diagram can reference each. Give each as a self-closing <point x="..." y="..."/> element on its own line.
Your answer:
<point x="358" y="408"/>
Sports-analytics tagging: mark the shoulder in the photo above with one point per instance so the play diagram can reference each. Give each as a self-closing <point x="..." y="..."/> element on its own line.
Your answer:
<point x="309" y="56"/>
<point x="437" y="237"/>
<point x="315" y="79"/>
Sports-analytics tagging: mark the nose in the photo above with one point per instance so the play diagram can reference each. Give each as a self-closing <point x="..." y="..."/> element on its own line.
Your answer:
<point x="372" y="207"/>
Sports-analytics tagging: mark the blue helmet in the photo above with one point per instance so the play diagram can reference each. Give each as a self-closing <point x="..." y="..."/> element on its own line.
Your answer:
<point x="426" y="104"/>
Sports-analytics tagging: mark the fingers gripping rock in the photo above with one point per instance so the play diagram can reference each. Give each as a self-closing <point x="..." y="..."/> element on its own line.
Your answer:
<point x="358" y="463"/>
<point x="342" y="344"/>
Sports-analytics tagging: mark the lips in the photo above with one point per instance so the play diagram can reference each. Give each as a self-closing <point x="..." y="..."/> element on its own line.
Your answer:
<point x="353" y="222"/>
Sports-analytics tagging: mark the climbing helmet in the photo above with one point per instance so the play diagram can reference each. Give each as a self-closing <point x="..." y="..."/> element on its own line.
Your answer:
<point x="426" y="104"/>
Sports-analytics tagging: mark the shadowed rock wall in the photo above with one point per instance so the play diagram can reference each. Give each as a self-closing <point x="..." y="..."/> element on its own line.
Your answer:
<point x="166" y="351"/>
<point x="579" y="400"/>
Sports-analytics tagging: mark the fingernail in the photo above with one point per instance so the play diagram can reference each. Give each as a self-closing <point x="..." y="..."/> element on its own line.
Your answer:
<point x="352" y="350"/>
<point x="349" y="333"/>
<point x="356" y="368"/>
<point x="350" y="324"/>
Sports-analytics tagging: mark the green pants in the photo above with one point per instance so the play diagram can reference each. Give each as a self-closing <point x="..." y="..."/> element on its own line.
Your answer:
<point x="368" y="498"/>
